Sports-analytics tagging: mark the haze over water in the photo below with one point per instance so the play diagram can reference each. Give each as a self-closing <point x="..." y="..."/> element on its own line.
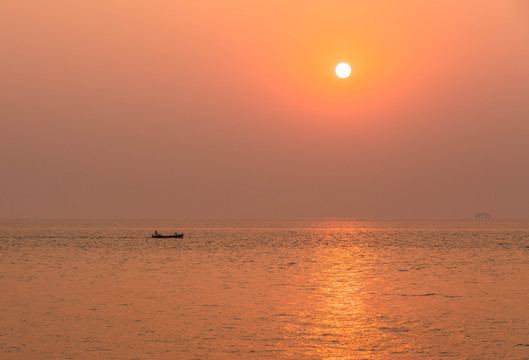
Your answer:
<point x="232" y="109"/>
<point x="255" y="290"/>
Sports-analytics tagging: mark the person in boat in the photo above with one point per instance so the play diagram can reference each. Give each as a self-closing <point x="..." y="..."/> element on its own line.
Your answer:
<point x="156" y="232"/>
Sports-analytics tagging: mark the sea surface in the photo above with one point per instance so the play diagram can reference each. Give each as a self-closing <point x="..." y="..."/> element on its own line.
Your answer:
<point x="264" y="290"/>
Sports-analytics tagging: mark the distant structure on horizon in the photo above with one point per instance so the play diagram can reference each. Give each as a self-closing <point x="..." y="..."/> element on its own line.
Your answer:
<point x="483" y="216"/>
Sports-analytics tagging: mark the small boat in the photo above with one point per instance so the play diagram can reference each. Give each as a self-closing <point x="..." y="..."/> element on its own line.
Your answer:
<point x="157" y="235"/>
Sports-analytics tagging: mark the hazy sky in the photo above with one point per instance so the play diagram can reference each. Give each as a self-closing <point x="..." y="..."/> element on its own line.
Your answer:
<point x="231" y="109"/>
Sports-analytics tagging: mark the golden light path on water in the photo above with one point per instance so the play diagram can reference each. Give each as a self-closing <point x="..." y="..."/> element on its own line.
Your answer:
<point x="341" y="319"/>
<point x="338" y="313"/>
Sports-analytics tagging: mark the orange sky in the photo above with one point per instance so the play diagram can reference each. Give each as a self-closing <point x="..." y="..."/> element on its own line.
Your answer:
<point x="208" y="109"/>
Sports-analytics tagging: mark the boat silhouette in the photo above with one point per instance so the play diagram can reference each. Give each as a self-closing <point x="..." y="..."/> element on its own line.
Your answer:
<point x="157" y="235"/>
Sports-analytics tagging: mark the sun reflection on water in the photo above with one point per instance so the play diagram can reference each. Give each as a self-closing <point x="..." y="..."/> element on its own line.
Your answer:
<point x="343" y="320"/>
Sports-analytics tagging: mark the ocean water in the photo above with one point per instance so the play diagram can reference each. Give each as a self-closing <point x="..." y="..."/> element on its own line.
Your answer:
<point x="264" y="290"/>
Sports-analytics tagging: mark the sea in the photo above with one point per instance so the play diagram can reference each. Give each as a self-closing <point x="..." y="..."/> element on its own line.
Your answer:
<point x="318" y="289"/>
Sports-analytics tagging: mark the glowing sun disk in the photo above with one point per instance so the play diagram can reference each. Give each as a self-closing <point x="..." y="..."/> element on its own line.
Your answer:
<point x="343" y="70"/>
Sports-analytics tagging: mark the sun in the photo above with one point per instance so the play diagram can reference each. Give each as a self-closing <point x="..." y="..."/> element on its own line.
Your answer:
<point x="343" y="70"/>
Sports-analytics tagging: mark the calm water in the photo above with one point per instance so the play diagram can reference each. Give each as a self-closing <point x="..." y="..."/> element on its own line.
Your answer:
<point x="271" y="290"/>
